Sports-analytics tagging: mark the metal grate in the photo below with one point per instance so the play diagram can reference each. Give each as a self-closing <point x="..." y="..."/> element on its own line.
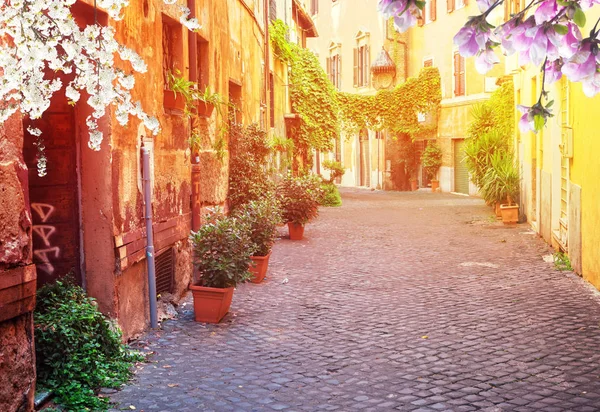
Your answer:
<point x="165" y="271"/>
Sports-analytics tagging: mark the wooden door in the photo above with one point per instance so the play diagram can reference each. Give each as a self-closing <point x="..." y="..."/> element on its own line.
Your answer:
<point x="54" y="198"/>
<point x="365" y="173"/>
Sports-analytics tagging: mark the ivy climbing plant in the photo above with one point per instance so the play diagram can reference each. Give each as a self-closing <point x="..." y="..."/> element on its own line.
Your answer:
<point x="394" y="110"/>
<point x="312" y="95"/>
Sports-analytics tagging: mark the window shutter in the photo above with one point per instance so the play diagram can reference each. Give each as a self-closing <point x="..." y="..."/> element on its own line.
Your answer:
<point x="450" y="5"/>
<point x="433" y="10"/>
<point x="367" y="66"/>
<point x="461" y="61"/>
<point x="339" y="72"/>
<point x="421" y="21"/>
<point x="456" y="74"/>
<point x="355" y="67"/>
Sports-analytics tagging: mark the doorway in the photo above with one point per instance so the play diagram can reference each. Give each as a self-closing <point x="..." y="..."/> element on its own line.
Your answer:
<point x="364" y="167"/>
<point x="54" y="198"/>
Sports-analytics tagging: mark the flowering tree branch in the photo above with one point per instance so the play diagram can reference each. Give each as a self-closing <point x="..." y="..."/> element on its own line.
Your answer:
<point x="43" y="50"/>
<point x="546" y="33"/>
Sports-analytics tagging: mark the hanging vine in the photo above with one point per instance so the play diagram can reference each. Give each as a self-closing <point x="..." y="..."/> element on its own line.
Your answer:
<point x="312" y="95"/>
<point x="323" y="110"/>
<point x="394" y="110"/>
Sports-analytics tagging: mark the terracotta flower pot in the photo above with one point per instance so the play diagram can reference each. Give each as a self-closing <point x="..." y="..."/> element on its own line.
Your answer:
<point x="211" y="304"/>
<point x="205" y="109"/>
<point x="510" y="214"/>
<point x="435" y="185"/>
<point x="259" y="267"/>
<point x="413" y="185"/>
<point x="296" y="231"/>
<point x="497" y="209"/>
<point x="173" y="100"/>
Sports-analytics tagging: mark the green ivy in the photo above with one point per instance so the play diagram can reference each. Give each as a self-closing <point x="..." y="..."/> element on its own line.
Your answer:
<point x="77" y="350"/>
<point x="394" y="110"/>
<point x="312" y="95"/>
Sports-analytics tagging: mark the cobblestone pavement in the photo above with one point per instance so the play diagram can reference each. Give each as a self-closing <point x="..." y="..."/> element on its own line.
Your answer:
<point x="396" y="301"/>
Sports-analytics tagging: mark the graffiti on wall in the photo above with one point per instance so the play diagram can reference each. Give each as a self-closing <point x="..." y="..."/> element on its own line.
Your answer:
<point x="45" y="231"/>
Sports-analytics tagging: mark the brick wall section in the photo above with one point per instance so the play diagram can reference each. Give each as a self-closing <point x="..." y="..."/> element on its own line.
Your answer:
<point x="17" y="275"/>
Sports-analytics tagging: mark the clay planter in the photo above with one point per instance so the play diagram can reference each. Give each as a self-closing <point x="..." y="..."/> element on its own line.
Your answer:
<point x="205" y="109"/>
<point x="174" y="101"/>
<point x="510" y="214"/>
<point x="211" y="304"/>
<point x="497" y="209"/>
<point x="413" y="185"/>
<point x="259" y="267"/>
<point x="435" y="185"/>
<point x="296" y="231"/>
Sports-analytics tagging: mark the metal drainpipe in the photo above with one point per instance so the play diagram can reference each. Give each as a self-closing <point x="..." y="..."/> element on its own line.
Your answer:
<point x="149" y="237"/>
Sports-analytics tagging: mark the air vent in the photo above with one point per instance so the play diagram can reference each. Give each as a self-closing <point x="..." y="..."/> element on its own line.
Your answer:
<point x="165" y="271"/>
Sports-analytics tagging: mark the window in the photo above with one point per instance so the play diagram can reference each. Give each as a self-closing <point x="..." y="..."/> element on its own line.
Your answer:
<point x="334" y="70"/>
<point x="456" y="4"/>
<point x="314" y="7"/>
<point x="362" y="65"/>
<point x="429" y="12"/>
<point x="172" y="48"/>
<point x="428" y="62"/>
<point x="459" y="75"/>
<point x="511" y="7"/>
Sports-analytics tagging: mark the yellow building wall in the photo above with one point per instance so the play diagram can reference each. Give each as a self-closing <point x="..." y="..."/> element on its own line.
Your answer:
<point x="585" y="172"/>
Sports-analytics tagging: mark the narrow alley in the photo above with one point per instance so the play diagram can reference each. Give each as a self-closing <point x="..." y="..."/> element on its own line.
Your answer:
<point x="395" y="301"/>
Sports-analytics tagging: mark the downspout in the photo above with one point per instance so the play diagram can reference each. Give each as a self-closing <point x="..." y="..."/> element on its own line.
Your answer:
<point x="149" y="236"/>
<point x="195" y="159"/>
<point x="267" y="66"/>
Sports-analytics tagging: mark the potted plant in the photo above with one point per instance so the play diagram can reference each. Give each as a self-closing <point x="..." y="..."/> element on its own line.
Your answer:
<point x="262" y="217"/>
<point x="502" y="183"/>
<point x="299" y="197"/>
<point x="222" y="250"/>
<point x="431" y="159"/>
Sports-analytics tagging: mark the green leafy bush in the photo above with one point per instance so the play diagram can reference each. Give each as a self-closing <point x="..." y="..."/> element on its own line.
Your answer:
<point x="480" y="151"/>
<point x="262" y="216"/>
<point x="431" y="159"/>
<point x="248" y="178"/>
<point x="300" y="197"/>
<point x="502" y="180"/>
<point x="222" y="249"/>
<point x="335" y="168"/>
<point x="78" y="351"/>
<point x="331" y="195"/>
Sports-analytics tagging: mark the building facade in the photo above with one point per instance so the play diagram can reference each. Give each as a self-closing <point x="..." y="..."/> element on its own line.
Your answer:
<point x="350" y="40"/>
<point x="86" y="216"/>
<point x="560" y="192"/>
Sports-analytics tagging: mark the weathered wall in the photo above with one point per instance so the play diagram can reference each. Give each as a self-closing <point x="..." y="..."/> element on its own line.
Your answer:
<point x="17" y="275"/>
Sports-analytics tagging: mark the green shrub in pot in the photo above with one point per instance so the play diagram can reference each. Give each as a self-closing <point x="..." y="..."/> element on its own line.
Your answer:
<point x="222" y="248"/>
<point x="300" y="197"/>
<point x="262" y="217"/>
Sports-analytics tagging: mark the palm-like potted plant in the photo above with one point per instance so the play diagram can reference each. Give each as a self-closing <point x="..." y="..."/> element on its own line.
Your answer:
<point x="262" y="217"/>
<point x="299" y="197"/>
<point x="431" y="159"/>
<point x="222" y="250"/>
<point x="502" y="183"/>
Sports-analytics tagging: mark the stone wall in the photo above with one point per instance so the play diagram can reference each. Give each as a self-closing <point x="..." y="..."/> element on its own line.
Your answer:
<point x="17" y="275"/>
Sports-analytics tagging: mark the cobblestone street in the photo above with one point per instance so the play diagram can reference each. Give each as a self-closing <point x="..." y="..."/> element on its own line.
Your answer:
<point x="395" y="301"/>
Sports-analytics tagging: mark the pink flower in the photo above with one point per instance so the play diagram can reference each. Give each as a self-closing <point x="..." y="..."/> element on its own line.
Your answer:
<point x="568" y="43"/>
<point x="485" y="60"/>
<point x="470" y="40"/>
<point x="553" y="71"/>
<point x="484" y="5"/>
<point x="591" y="84"/>
<point x="581" y="65"/>
<point x="391" y="8"/>
<point x="546" y="11"/>
<point x="525" y="124"/>
<point x="407" y="19"/>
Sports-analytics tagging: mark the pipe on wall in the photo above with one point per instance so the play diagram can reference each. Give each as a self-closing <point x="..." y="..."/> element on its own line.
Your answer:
<point x="149" y="236"/>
